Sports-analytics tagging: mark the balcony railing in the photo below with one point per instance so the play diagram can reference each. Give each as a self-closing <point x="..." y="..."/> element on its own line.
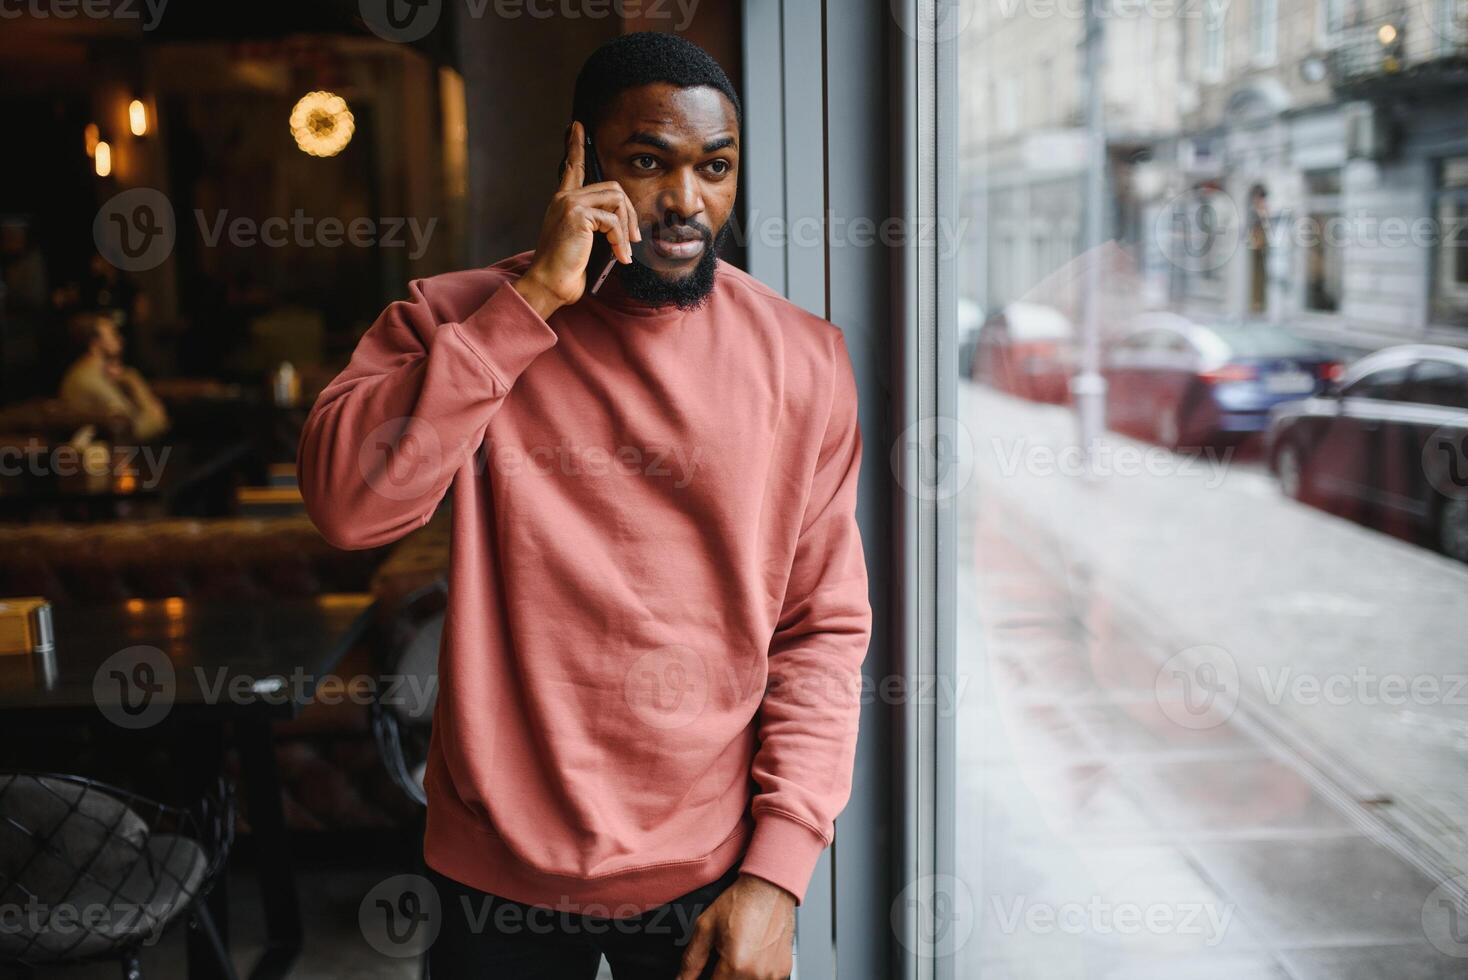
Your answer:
<point x="1408" y="47"/>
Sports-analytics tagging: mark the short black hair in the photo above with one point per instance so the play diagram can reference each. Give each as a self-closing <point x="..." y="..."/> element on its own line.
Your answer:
<point x="642" y="58"/>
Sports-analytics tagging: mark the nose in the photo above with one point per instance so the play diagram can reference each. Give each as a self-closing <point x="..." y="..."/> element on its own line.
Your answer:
<point x="681" y="198"/>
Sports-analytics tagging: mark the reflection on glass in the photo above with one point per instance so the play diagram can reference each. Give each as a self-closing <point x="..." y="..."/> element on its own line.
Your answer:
<point x="1215" y="720"/>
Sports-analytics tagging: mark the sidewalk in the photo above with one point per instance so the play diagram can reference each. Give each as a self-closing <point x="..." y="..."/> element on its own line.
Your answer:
<point x="1089" y="791"/>
<point x="1351" y="646"/>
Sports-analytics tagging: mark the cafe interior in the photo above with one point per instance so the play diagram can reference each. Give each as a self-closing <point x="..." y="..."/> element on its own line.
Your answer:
<point x="206" y="208"/>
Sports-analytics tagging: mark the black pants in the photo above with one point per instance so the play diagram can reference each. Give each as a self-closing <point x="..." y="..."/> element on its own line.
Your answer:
<point x="485" y="937"/>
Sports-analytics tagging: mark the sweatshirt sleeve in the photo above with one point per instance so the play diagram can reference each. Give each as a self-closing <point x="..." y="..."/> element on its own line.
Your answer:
<point x="382" y="443"/>
<point x="808" y="719"/>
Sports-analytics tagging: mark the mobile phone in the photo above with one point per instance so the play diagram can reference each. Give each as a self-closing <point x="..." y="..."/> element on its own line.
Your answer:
<point x="602" y="261"/>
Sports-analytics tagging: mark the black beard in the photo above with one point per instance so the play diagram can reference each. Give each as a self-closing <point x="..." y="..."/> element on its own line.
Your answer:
<point x="688" y="293"/>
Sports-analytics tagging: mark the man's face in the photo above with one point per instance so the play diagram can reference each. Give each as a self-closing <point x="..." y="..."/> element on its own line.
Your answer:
<point x="108" y="342"/>
<point x="675" y="151"/>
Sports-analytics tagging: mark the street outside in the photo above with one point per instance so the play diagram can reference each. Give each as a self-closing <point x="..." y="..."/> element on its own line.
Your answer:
<point x="1205" y="730"/>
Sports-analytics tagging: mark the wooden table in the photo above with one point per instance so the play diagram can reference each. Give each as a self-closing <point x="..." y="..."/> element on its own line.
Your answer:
<point x="142" y="664"/>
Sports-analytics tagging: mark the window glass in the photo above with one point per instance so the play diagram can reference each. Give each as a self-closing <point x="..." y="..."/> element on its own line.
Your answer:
<point x="1385" y="385"/>
<point x="1209" y="633"/>
<point x="1435" y="382"/>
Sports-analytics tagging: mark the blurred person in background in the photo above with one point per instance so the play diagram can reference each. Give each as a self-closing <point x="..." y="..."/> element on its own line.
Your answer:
<point x="99" y="381"/>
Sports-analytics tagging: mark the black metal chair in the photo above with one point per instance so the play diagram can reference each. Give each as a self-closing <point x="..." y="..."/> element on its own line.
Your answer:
<point x="406" y="651"/>
<point x="96" y="871"/>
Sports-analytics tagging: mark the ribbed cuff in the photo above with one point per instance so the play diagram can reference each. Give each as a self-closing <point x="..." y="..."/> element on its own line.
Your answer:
<point x="783" y="851"/>
<point x="506" y="333"/>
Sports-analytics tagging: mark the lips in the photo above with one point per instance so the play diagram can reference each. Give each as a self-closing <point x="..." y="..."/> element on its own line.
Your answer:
<point x="677" y="247"/>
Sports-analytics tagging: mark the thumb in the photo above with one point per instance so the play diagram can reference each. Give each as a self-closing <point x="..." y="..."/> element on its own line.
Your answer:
<point x="697" y="953"/>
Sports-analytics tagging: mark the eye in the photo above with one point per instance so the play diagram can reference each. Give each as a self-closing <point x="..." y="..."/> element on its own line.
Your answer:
<point x="645" y="161"/>
<point x="720" y="167"/>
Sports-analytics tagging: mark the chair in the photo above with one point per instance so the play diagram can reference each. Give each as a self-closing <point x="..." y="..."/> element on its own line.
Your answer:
<point x="401" y="712"/>
<point x="97" y="871"/>
<point x="406" y="653"/>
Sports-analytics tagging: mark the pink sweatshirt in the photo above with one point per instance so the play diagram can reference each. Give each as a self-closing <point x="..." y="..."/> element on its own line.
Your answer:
<point x="658" y="600"/>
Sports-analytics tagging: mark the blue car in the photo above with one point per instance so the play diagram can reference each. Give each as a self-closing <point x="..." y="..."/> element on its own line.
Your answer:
<point x="1183" y="383"/>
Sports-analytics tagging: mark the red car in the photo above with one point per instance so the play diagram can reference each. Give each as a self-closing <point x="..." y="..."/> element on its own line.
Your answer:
<point x="1027" y="350"/>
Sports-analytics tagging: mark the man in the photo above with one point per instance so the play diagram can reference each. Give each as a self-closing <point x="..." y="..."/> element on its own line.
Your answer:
<point x="650" y="671"/>
<point x="98" y="382"/>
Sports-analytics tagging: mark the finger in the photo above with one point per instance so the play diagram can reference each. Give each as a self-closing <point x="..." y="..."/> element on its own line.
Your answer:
<point x="609" y="196"/>
<point x="635" y="229"/>
<point x="629" y="221"/>
<point x="608" y="223"/>
<point x="696" y="955"/>
<point x="575" y="173"/>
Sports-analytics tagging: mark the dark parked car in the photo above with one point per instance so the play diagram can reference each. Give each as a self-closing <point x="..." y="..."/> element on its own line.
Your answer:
<point x="1026" y="349"/>
<point x="1182" y="383"/>
<point x="1388" y="445"/>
